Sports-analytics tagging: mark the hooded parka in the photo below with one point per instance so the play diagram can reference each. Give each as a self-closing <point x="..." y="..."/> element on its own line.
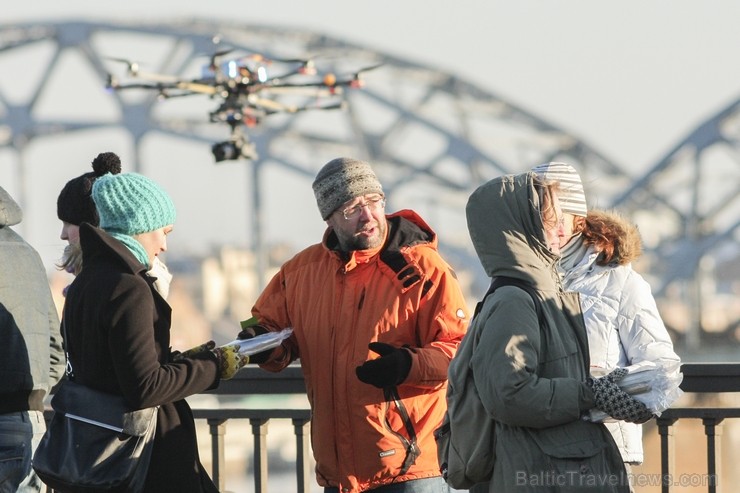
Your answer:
<point x="32" y="360"/>
<point x="402" y="294"/>
<point x="118" y="330"/>
<point x="530" y="373"/>
<point x="622" y="320"/>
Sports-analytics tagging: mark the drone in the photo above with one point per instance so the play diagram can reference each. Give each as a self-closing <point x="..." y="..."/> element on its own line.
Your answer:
<point x="248" y="88"/>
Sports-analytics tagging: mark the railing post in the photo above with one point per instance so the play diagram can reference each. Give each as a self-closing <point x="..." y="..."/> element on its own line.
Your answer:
<point x="713" y="430"/>
<point x="301" y="427"/>
<point x="259" y="431"/>
<point x="217" y="429"/>
<point x="667" y="456"/>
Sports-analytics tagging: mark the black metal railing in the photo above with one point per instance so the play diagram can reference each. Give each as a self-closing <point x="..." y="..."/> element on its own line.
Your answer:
<point x="254" y="381"/>
<point x="698" y="378"/>
<point x="704" y="378"/>
<point x="259" y="420"/>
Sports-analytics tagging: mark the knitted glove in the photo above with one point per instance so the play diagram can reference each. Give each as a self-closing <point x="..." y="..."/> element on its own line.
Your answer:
<point x="229" y="360"/>
<point x="206" y="346"/>
<point x="253" y="331"/>
<point x="615" y="402"/>
<point x="389" y="370"/>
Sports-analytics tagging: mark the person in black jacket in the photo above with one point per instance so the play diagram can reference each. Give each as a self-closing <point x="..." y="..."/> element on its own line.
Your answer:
<point x="75" y="206"/>
<point x="31" y="357"/>
<point x="118" y="326"/>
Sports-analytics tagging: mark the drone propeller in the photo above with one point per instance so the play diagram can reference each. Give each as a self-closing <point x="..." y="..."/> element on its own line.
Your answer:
<point x="330" y="82"/>
<point x="355" y="80"/>
<point x="215" y="56"/>
<point x="306" y="65"/>
<point x="271" y="107"/>
<point x="133" y="67"/>
<point x="134" y="70"/>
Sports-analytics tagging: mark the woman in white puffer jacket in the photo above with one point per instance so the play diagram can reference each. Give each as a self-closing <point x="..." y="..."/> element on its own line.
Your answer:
<point x="622" y="320"/>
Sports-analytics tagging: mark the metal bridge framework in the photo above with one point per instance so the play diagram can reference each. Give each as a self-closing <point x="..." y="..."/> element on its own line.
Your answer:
<point x="431" y="136"/>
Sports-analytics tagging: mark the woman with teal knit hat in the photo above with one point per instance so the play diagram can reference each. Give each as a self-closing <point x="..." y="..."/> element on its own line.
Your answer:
<point x="118" y="327"/>
<point x="75" y="206"/>
<point x="136" y="211"/>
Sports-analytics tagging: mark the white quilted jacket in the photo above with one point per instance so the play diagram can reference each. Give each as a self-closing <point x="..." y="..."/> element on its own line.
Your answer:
<point x="624" y="328"/>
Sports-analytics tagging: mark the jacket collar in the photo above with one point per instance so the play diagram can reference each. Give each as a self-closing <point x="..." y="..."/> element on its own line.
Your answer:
<point x="97" y="243"/>
<point x="405" y="229"/>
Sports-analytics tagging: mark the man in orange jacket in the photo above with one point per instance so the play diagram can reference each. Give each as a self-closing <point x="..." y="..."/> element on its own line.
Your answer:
<point x="377" y="315"/>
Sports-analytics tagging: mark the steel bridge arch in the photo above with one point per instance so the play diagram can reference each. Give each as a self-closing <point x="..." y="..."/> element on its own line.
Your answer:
<point x="432" y="136"/>
<point x="688" y="204"/>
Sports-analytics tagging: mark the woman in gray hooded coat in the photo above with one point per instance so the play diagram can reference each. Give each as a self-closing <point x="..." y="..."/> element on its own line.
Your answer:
<point x="531" y="371"/>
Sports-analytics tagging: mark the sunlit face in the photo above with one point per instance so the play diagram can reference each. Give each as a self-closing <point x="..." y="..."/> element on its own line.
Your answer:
<point x="553" y="221"/>
<point x="70" y="232"/>
<point x="571" y="225"/>
<point x="154" y="242"/>
<point x="360" y="223"/>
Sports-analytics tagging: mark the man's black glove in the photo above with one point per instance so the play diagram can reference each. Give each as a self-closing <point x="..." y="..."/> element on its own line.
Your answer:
<point x="389" y="370"/>
<point x="251" y="331"/>
<point x="615" y="402"/>
<point x="254" y="331"/>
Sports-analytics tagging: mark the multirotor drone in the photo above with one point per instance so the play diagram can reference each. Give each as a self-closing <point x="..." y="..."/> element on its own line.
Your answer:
<point x="249" y="87"/>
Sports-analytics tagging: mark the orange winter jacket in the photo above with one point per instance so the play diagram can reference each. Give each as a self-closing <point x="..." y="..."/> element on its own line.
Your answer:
<point x="403" y="294"/>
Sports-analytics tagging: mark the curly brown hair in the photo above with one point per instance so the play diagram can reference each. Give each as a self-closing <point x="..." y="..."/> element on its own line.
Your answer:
<point x="617" y="239"/>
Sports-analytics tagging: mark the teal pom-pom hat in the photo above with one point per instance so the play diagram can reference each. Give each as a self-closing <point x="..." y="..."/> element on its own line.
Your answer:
<point x="131" y="204"/>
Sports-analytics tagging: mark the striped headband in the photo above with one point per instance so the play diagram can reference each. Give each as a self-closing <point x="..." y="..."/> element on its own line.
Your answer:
<point x="570" y="193"/>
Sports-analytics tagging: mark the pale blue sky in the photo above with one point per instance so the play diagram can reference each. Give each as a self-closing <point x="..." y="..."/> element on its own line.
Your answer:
<point x="631" y="78"/>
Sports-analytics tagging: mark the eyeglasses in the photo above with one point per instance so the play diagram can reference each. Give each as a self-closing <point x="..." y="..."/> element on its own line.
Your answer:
<point x="374" y="204"/>
<point x="556" y="223"/>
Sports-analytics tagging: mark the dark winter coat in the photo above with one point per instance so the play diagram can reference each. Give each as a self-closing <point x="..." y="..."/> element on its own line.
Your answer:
<point x="118" y="330"/>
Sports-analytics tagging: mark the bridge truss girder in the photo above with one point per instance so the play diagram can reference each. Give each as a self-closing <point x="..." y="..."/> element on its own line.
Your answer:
<point x="432" y="136"/>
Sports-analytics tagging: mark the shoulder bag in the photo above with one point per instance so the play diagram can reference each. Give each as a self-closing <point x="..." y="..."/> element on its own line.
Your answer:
<point x="94" y="441"/>
<point x="466" y="439"/>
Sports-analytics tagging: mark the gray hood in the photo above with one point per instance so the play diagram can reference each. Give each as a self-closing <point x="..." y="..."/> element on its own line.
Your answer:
<point x="10" y="211"/>
<point x="507" y="233"/>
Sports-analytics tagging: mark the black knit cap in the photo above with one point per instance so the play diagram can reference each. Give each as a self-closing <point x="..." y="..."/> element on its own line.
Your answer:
<point x="75" y="205"/>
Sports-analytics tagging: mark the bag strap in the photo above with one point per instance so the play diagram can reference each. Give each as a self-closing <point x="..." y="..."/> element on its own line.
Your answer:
<point x="412" y="448"/>
<point x="499" y="281"/>
<point x="65" y="342"/>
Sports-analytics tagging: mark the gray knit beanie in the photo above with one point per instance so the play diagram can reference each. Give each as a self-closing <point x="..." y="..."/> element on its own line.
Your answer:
<point x="343" y="179"/>
<point x="570" y="192"/>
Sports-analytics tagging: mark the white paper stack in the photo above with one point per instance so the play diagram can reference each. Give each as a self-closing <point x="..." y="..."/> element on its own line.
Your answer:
<point x="262" y="342"/>
<point x="654" y="384"/>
